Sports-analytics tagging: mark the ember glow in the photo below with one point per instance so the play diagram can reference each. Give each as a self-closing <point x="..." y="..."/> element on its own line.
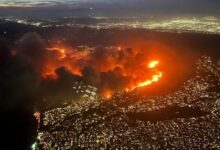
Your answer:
<point x="60" y="50"/>
<point x="107" y="94"/>
<point x="108" y="68"/>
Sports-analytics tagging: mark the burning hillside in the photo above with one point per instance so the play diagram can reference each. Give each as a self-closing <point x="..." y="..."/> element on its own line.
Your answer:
<point x="108" y="68"/>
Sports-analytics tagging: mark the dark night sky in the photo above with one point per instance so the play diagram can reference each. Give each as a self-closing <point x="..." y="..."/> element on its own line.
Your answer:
<point x="136" y="7"/>
<point x="148" y="3"/>
<point x="205" y="5"/>
<point x="114" y="8"/>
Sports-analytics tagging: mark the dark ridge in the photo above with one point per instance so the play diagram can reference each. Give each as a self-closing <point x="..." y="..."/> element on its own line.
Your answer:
<point x="18" y="129"/>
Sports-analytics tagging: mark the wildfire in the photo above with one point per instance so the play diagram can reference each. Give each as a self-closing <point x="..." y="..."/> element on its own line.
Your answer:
<point x="115" y="69"/>
<point x="153" y="64"/>
<point x="61" y="51"/>
<point x="61" y="58"/>
<point x="155" y="78"/>
<point x="107" y="94"/>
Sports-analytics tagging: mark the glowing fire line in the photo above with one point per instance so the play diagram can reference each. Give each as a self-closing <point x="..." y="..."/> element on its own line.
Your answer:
<point x="63" y="54"/>
<point x="153" y="64"/>
<point x="155" y="78"/>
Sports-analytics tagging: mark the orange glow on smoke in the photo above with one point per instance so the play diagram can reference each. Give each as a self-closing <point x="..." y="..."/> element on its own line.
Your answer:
<point x="61" y="57"/>
<point x="60" y="50"/>
<point x="120" y="62"/>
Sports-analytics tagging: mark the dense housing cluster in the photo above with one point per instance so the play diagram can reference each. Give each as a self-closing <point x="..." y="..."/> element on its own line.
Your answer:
<point x="185" y="119"/>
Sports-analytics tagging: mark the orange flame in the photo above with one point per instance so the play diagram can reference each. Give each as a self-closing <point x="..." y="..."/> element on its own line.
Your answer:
<point x="62" y="51"/>
<point x="153" y="64"/>
<point x="75" y="60"/>
<point x="155" y="77"/>
<point x="107" y="94"/>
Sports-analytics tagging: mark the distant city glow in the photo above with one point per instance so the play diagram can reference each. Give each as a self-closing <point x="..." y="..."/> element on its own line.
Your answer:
<point x="207" y="24"/>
